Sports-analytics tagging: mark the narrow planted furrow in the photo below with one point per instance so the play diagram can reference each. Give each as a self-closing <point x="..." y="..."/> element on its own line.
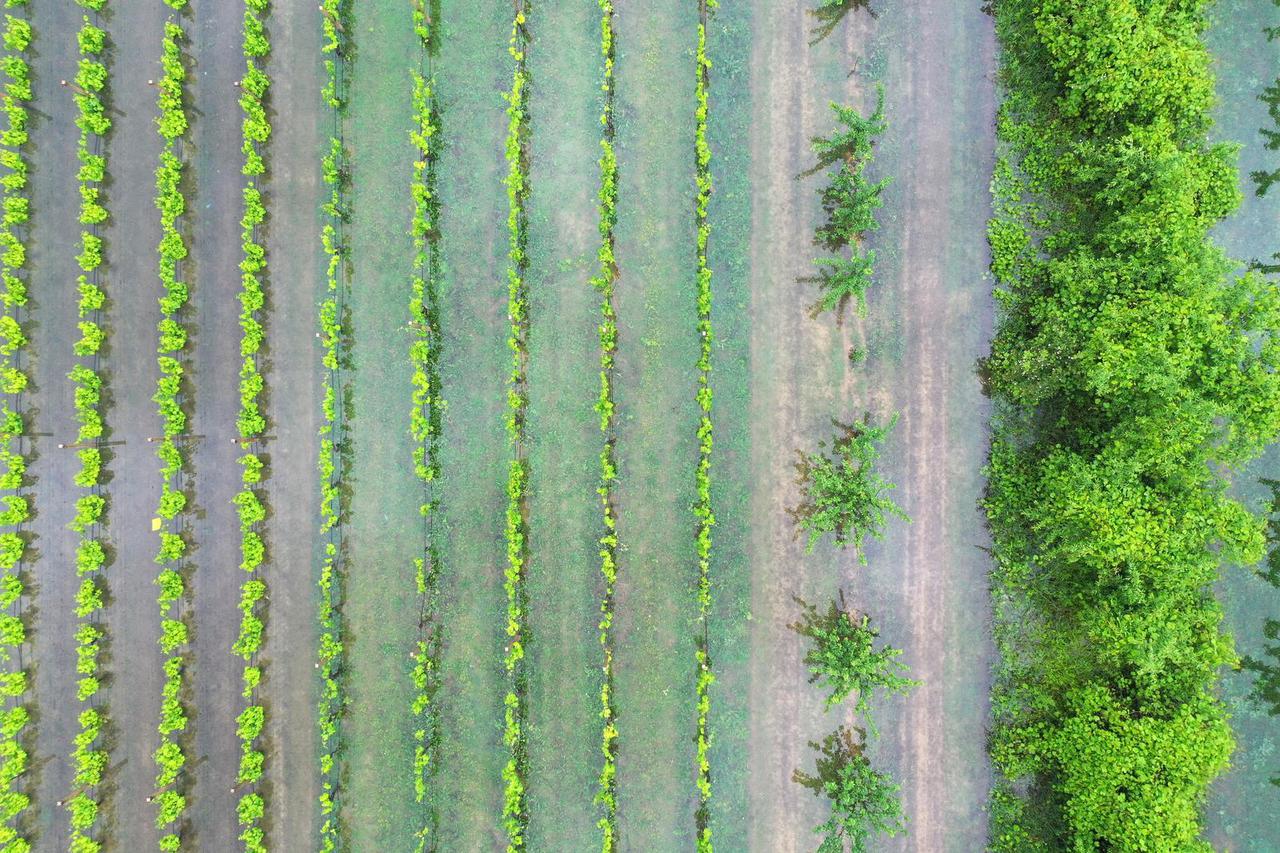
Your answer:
<point x="251" y="427"/>
<point x="89" y="755"/>
<point x="425" y="426"/>
<point x="515" y="813"/>
<point x="14" y="603"/>
<point x="172" y="781"/>
<point x="333" y="446"/>
<point x="607" y="795"/>
<point x="704" y="517"/>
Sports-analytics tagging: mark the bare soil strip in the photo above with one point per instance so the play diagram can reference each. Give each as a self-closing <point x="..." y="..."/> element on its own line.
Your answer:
<point x="939" y="60"/>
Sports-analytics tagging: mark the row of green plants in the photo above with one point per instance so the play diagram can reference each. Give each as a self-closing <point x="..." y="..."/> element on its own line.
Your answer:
<point x="251" y="425"/>
<point x="849" y="202"/>
<point x="15" y="203"/>
<point x="844" y="660"/>
<point x="171" y="781"/>
<point x="331" y="707"/>
<point x="845" y="497"/>
<point x="425" y="421"/>
<point x="515" y="809"/>
<point x="89" y="756"/>
<point x="1134" y="369"/>
<point x="703" y="514"/>
<point x="607" y="331"/>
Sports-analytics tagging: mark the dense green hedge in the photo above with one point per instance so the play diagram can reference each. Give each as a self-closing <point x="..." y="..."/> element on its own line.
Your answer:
<point x="251" y="424"/>
<point x="1133" y="367"/>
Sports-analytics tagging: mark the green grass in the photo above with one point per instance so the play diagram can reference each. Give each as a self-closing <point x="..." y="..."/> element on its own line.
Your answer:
<point x="563" y="574"/>
<point x="728" y="125"/>
<point x="384" y="532"/>
<point x="472" y="69"/>
<point x="657" y="450"/>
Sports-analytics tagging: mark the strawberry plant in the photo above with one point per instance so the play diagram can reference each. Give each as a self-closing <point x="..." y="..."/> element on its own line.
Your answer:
<point x="332" y="703"/>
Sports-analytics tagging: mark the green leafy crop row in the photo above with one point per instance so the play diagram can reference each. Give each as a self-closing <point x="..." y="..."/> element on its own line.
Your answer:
<point x="425" y="418"/>
<point x="603" y="281"/>
<point x="14" y="200"/>
<point x="1134" y="368"/>
<point x="89" y="754"/>
<point x="171" y="782"/>
<point x="515" y="810"/>
<point x="703" y="514"/>
<point x="332" y="704"/>
<point x="251" y="423"/>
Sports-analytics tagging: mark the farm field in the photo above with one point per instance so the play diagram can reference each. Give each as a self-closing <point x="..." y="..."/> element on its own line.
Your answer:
<point x="417" y="415"/>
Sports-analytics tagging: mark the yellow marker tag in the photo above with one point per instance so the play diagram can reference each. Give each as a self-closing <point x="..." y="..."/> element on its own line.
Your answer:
<point x="155" y="524"/>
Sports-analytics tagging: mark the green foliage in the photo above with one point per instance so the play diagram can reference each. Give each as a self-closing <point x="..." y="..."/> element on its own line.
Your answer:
<point x="849" y="201"/>
<point x="843" y="493"/>
<point x="829" y="14"/>
<point x="864" y="801"/>
<point x="843" y="657"/>
<point x="90" y="83"/>
<point x="1134" y="370"/>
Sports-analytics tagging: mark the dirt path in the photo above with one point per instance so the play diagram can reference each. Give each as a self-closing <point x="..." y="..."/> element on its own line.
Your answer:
<point x="926" y="582"/>
<point x="730" y="123"/>
<point x="214" y="202"/>
<point x="1240" y="813"/>
<point x="133" y="286"/>
<point x="939" y="152"/>
<point x="564" y="525"/>
<point x="52" y="329"/>
<point x="297" y="278"/>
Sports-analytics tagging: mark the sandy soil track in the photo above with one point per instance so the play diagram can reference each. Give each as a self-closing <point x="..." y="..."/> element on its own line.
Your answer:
<point x="928" y="321"/>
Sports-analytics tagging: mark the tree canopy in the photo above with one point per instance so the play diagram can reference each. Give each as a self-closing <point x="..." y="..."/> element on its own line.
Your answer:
<point x="1134" y="367"/>
<point x="844" y="659"/>
<point x="843" y="492"/>
<point x="864" y="801"/>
